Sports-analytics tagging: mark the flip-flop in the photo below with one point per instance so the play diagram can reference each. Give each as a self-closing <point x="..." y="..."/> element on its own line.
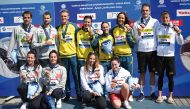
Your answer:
<point x="159" y="100"/>
<point x="170" y="100"/>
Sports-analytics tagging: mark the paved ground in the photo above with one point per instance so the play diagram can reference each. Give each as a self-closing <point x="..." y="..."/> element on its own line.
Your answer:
<point x="180" y="103"/>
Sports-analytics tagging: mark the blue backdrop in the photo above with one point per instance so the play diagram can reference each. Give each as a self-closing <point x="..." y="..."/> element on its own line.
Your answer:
<point x="106" y="10"/>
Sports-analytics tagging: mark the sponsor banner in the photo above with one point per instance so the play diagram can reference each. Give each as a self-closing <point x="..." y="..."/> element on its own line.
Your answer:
<point x="177" y="22"/>
<point x="82" y="15"/>
<point x="175" y="0"/>
<point x="4" y="29"/>
<point x="183" y="12"/>
<point x="99" y="10"/>
<point x="5" y="2"/>
<point x="97" y="25"/>
<point x="18" y="19"/>
<point x="112" y="15"/>
<point x="12" y="15"/>
<point x="1" y="20"/>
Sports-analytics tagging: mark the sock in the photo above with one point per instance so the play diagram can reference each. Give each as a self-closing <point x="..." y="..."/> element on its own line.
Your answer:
<point x="141" y="89"/>
<point x="152" y="89"/>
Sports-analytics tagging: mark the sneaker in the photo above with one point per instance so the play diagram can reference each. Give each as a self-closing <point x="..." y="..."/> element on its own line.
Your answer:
<point x="159" y="100"/>
<point x="131" y="98"/>
<point x="140" y="97"/>
<point x="153" y="96"/>
<point x="24" y="105"/>
<point x="66" y="98"/>
<point x="126" y="105"/>
<point x="58" y="103"/>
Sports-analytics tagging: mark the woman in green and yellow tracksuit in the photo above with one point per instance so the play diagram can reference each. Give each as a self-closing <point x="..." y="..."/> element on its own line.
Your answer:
<point x="83" y="38"/>
<point x="123" y="41"/>
<point x="104" y="44"/>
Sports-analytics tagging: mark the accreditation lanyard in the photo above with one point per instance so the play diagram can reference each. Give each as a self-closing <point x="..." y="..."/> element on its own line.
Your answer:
<point x="30" y="71"/>
<point x="64" y="31"/>
<point x="146" y="22"/>
<point x="25" y="28"/>
<point x="114" y="74"/>
<point x="167" y="26"/>
<point x="46" y="32"/>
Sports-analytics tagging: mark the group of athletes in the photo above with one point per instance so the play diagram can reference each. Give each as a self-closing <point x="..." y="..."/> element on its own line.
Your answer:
<point x="101" y="61"/>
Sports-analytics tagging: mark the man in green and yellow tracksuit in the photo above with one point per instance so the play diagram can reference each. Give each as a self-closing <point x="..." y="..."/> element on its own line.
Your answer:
<point x="67" y="52"/>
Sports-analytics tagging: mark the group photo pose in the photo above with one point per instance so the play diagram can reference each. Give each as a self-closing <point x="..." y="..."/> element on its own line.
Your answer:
<point x="115" y="63"/>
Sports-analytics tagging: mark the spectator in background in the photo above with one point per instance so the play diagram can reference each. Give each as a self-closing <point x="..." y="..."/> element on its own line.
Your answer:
<point x="53" y="79"/>
<point x="44" y="39"/>
<point x="22" y="37"/>
<point x="167" y="33"/>
<point x="30" y="88"/>
<point x="92" y="79"/>
<point x="67" y="52"/>
<point x="145" y="36"/>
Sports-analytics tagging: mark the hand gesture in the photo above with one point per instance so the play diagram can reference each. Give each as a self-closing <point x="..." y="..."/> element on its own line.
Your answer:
<point x="95" y="94"/>
<point x="48" y="93"/>
<point x="29" y="37"/>
<point x="37" y="70"/>
<point x="91" y="31"/>
<point x="98" y="31"/>
<point x="113" y="84"/>
<point x="135" y="86"/>
<point x="48" y="42"/>
<point x="140" y="27"/>
<point x="23" y="76"/>
<point x="47" y="73"/>
<point x="98" y="74"/>
<point x="127" y="28"/>
<point x="35" y="95"/>
<point x="176" y="29"/>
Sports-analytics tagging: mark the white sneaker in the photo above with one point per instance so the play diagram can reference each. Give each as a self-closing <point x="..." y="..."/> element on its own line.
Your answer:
<point x="59" y="103"/>
<point x="131" y="98"/>
<point x="126" y="105"/>
<point x="24" y="105"/>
